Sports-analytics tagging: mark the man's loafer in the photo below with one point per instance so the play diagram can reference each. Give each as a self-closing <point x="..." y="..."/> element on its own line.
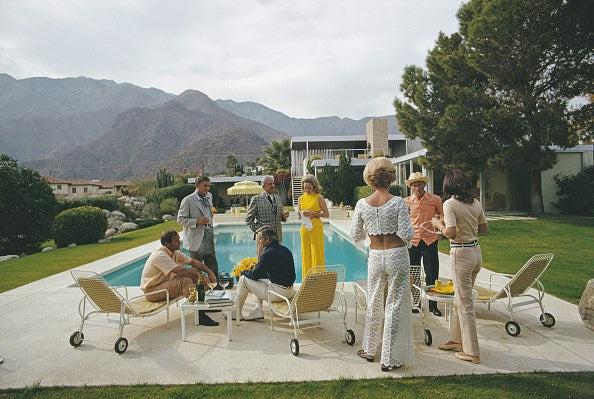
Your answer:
<point x="436" y="312"/>
<point x="204" y="320"/>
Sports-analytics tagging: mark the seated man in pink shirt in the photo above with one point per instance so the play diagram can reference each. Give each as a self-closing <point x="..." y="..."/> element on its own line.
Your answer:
<point x="164" y="270"/>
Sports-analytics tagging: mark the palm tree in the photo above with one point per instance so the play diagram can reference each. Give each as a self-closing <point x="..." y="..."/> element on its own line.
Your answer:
<point x="231" y="165"/>
<point x="277" y="156"/>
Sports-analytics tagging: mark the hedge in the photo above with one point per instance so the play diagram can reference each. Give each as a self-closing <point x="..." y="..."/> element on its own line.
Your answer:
<point x="102" y="202"/>
<point x="576" y="193"/>
<point x="179" y="192"/>
<point x="83" y="225"/>
<point x="143" y="223"/>
<point x="366" y="191"/>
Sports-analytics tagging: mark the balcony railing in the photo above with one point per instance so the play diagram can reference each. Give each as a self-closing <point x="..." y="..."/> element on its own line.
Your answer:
<point x="360" y="153"/>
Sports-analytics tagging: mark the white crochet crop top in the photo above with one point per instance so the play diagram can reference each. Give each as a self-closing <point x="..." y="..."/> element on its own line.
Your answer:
<point x="390" y="218"/>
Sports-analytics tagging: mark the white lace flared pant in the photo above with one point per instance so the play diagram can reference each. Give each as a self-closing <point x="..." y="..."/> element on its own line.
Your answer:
<point x="391" y="267"/>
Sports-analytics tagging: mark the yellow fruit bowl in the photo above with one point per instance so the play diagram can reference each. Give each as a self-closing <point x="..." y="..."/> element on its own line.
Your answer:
<point x="442" y="289"/>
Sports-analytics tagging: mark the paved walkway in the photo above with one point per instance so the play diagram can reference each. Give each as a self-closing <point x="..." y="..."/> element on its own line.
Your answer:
<point x="37" y="320"/>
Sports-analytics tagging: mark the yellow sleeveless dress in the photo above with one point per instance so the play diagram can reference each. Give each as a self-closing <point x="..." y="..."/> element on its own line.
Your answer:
<point x="312" y="241"/>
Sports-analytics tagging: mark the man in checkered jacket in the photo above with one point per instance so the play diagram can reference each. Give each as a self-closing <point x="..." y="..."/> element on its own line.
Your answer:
<point x="266" y="209"/>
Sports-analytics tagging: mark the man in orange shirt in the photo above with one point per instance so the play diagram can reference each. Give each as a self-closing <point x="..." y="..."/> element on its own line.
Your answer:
<point x="423" y="207"/>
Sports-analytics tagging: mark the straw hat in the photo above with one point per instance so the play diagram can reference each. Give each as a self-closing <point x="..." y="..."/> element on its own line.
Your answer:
<point x="414" y="177"/>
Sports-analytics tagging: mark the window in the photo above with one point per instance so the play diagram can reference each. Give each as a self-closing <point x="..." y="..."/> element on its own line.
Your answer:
<point x="59" y="186"/>
<point x="85" y="190"/>
<point x="73" y="190"/>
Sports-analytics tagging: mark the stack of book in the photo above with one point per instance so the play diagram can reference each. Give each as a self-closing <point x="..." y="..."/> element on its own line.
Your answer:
<point x="217" y="298"/>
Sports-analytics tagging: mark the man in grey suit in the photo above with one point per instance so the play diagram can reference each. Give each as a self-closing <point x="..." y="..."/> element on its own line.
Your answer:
<point x="266" y="209"/>
<point x="195" y="215"/>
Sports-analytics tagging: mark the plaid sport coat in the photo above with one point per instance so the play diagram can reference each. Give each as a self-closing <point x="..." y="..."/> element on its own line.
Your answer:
<point x="261" y="213"/>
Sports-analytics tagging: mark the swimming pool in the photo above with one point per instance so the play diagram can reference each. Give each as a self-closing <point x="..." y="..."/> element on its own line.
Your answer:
<point x="234" y="242"/>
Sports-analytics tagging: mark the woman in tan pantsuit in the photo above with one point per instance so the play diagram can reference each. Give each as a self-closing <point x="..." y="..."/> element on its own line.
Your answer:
<point x="464" y="219"/>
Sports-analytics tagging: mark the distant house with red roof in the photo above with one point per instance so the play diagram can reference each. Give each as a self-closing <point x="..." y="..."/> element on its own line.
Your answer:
<point x="75" y="188"/>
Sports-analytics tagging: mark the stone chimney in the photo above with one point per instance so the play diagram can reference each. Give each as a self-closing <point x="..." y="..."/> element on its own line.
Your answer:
<point x="377" y="137"/>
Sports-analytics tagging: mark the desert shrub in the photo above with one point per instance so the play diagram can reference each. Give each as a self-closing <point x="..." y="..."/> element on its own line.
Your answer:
<point x="396" y="190"/>
<point x="169" y="206"/>
<point x="27" y="208"/>
<point x="83" y="225"/>
<point x="366" y="191"/>
<point x="130" y="213"/>
<point x="102" y="202"/>
<point x="150" y="210"/>
<point x="178" y="192"/>
<point x="576" y="193"/>
<point x="143" y="223"/>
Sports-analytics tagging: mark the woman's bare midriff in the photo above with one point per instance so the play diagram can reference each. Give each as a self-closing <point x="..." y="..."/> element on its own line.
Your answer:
<point x="385" y="241"/>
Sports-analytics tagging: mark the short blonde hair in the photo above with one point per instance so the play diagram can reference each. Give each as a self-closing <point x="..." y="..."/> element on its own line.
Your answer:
<point x="311" y="179"/>
<point x="379" y="173"/>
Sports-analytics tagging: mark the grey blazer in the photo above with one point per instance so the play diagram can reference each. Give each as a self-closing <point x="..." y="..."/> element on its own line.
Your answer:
<point x="191" y="209"/>
<point x="261" y="213"/>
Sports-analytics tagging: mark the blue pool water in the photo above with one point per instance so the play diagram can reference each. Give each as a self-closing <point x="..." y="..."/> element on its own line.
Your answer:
<point x="236" y="242"/>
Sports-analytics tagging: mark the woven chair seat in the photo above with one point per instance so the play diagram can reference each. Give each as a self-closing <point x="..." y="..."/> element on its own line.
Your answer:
<point x="280" y="308"/>
<point x="142" y="306"/>
<point x="484" y="294"/>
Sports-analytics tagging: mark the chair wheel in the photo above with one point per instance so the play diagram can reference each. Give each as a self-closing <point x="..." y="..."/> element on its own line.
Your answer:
<point x="512" y="328"/>
<point x="121" y="345"/>
<point x="295" y="347"/>
<point x="349" y="337"/>
<point x="547" y="320"/>
<point x="77" y="338"/>
<point x="428" y="337"/>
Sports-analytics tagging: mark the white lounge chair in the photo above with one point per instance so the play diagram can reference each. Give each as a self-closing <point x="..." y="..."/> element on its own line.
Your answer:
<point x="320" y="287"/>
<point x="527" y="277"/>
<point x="105" y="298"/>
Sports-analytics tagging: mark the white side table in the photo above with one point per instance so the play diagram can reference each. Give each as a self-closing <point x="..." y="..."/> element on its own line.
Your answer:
<point x="196" y="306"/>
<point x="448" y="301"/>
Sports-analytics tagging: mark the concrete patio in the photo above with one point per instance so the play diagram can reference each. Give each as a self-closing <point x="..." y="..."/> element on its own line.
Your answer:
<point x="38" y="318"/>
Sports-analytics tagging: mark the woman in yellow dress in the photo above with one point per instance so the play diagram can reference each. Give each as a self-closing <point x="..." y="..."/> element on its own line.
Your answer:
<point x="312" y="206"/>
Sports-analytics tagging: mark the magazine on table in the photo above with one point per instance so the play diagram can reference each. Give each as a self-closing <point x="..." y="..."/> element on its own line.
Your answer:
<point x="219" y="304"/>
<point x="217" y="296"/>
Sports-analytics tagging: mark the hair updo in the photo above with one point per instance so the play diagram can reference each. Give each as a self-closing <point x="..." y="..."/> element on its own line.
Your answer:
<point x="379" y="173"/>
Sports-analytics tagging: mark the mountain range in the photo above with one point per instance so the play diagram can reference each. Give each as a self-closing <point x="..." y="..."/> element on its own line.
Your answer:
<point x="88" y="128"/>
<point x="324" y="126"/>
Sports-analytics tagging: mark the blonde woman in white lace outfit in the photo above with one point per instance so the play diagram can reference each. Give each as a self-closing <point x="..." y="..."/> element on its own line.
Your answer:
<point x="385" y="219"/>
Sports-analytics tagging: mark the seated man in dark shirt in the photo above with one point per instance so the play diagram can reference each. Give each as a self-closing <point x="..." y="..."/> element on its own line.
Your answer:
<point x="274" y="271"/>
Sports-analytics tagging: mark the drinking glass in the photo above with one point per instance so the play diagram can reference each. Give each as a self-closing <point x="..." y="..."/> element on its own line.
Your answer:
<point x="224" y="284"/>
<point x="212" y="285"/>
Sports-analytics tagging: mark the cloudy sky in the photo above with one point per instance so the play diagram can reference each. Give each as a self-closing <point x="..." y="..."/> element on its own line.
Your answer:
<point x="303" y="58"/>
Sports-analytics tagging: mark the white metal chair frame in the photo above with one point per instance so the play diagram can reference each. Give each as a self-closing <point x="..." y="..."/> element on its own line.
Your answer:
<point x="126" y="308"/>
<point x="293" y="312"/>
<point x="509" y="291"/>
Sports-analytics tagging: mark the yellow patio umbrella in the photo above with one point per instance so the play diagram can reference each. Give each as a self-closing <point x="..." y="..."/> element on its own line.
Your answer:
<point x="245" y="187"/>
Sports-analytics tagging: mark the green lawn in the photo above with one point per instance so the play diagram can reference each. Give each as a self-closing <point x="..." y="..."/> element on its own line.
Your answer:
<point x="510" y="244"/>
<point x="15" y="273"/>
<point x="533" y="385"/>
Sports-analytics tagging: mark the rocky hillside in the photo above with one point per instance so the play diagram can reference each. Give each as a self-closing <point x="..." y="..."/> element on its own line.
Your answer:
<point x="326" y="126"/>
<point x="42" y="117"/>
<point x="142" y="140"/>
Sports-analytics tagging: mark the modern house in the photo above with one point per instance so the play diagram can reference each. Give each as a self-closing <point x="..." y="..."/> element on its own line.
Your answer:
<point x="318" y="151"/>
<point x="499" y="190"/>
